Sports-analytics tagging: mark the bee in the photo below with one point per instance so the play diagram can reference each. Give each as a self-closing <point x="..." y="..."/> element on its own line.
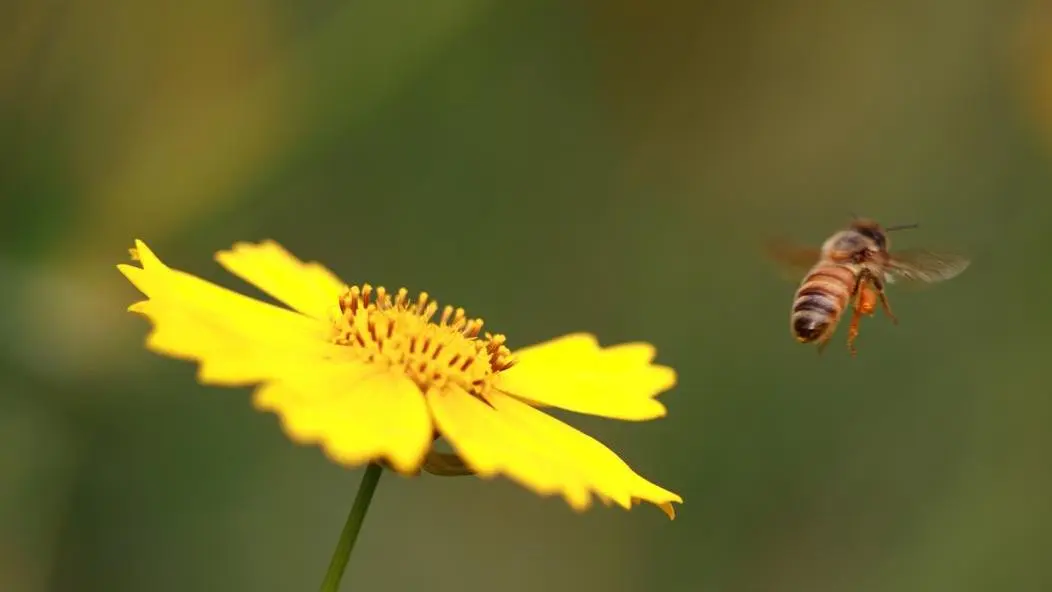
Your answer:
<point x="853" y="266"/>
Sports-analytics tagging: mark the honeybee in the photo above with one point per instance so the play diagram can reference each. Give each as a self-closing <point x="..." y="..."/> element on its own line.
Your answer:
<point x="853" y="266"/>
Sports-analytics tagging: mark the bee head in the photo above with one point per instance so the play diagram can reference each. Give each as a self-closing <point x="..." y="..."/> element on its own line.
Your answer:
<point x="875" y="232"/>
<point x="871" y="230"/>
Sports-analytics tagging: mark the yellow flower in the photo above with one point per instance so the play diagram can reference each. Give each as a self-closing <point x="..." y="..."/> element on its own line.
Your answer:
<point x="370" y="376"/>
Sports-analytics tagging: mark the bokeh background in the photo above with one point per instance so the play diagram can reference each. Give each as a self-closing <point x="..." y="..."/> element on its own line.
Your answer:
<point x="609" y="166"/>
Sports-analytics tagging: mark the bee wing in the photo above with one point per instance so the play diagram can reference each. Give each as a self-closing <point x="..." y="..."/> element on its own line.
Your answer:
<point x="792" y="259"/>
<point x="919" y="266"/>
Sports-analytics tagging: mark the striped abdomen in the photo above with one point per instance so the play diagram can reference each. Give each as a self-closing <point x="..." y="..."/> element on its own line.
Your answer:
<point x="820" y="300"/>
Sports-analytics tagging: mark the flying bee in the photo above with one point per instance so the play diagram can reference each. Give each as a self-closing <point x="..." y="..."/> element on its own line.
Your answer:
<point x="852" y="267"/>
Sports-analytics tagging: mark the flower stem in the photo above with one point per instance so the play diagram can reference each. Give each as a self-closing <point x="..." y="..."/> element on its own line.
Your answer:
<point x="342" y="553"/>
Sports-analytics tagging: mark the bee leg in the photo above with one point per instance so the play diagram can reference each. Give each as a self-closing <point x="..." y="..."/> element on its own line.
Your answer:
<point x="887" y="308"/>
<point x="856" y="313"/>
<point x="852" y="330"/>
<point x="822" y="345"/>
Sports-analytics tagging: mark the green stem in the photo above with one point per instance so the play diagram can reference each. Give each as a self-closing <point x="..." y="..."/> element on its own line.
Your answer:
<point x="342" y="553"/>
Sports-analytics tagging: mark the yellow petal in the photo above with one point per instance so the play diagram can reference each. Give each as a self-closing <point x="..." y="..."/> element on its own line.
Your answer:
<point x="574" y="373"/>
<point x="610" y="476"/>
<point x="356" y="413"/>
<point x="512" y="438"/>
<point x="307" y="287"/>
<point x="237" y="339"/>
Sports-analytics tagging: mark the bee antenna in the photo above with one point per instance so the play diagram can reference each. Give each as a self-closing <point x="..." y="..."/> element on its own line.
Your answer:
<point x="901" y="227"/>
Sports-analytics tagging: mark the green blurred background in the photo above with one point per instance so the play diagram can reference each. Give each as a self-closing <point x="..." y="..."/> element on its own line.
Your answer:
<point x="553" y="167"/>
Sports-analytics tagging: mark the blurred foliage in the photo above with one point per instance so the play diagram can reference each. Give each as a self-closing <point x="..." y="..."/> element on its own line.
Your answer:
<point x="601" y="166"/>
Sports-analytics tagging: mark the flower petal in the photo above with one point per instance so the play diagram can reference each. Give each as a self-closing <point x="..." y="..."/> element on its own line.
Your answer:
<point x="356" y="413"/>
<point x="236" y="339"/>
<point x="538" y="451"/>
<point x="574" y="373"/>
<point x="307" y="287"/>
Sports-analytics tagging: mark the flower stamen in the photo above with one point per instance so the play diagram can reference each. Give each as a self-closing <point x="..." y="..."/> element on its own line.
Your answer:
<point x="398" y="332"/>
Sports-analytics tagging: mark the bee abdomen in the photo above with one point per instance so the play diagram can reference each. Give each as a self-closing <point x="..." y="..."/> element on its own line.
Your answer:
<point x="808" y="326"/>
<point x="819" y="302"/>
<point x="813" y="314"/>
<point x="815" y="301"/>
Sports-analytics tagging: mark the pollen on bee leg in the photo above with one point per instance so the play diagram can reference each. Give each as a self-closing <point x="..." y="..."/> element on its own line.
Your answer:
<point x="867" y="300"/>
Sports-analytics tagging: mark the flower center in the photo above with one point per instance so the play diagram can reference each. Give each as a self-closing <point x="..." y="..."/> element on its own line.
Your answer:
<point x="400" y="333"/>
